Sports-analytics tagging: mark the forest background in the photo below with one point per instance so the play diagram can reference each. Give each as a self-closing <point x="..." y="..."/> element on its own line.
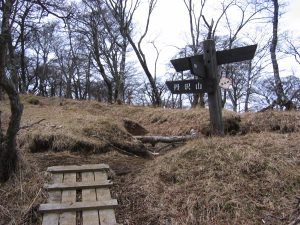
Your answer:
<point x="110" y="50"/>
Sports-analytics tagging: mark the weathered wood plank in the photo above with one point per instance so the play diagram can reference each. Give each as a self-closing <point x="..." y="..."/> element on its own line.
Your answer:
<point x="55" y="196"/>
<point x="78" y="185"/>
<point x="192" y="86"/>
<point x="236" y="54"/>
<point x="107" y="216"/>
<point x="78" y="168"/>
<point x="214" y="99"/>
<point x="89" y="195"/>
<point x="68" y="198"/>
<point x="100" y="175"/>
<point x="90" y="217"/>
<point x="222" y="57"/>
<point x="50" y="219"/>
<point x="102" y="193"/>
<point x="78" y="206"/>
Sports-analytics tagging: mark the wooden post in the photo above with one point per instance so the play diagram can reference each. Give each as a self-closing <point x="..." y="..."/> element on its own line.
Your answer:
<point x="214" y="99"/>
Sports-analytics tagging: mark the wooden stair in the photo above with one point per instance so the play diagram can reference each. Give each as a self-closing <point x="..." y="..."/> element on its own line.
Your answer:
<point x="79" y="195"/>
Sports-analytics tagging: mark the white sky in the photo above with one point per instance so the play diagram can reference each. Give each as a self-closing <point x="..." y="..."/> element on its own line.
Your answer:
<point x="169" y="26"/>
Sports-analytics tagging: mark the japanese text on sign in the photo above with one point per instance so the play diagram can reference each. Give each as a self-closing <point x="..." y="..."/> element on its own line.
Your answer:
<point x="192" y="86"/>
<point x="187" y="86"/>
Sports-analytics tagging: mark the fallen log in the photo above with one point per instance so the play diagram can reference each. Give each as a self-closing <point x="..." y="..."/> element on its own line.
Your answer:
<point x="120" y="150"/>
<point x="155" y="139"/>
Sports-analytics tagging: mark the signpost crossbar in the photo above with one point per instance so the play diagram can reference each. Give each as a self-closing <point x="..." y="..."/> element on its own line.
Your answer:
<point x="223" y="57"/>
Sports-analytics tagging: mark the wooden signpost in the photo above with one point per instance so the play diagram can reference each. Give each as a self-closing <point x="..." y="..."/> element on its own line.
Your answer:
<point x="205" y="67"/>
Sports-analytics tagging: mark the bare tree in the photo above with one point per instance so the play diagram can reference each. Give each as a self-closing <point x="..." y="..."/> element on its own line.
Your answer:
<point x="292" y="46"/>
<point x="9" y="82"/>
<point x="124" y="11"/>
<point x="8" y="146"/>
<point x="266" y="92"/>
<point x="195" y="31"/>
<point x="248" y="13"/>
<point x="281" y="97"/>
<point x="108" y="44"/>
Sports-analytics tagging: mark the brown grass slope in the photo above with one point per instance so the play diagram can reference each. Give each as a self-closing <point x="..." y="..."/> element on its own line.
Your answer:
<point x="251" y="176"/>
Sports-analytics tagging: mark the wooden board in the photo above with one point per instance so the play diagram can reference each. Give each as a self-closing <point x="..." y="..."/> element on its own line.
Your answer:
<point x="54" y="197"/>
<point x="222" y="57"/>
<point x="89" y="195"/>
<point x="107" y="216"/>
<point x="78" y="185"/>
<point x="68" y="198"/>
<point x="78" y="206"/>
<point x="50" y="219"/>
<point x="192" y="86"/>
<point x="78" y="168"/>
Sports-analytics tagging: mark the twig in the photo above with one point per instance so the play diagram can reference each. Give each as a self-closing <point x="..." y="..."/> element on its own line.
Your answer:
<point x="152" y="153"/>
<point x="165" y="146"/>
<point x="265" y="218"/>
<point x="30" y="125"/>
<point x="7" y="213"/>
<point x="30" y="206"/>
<point x="295" y="222"/>
<point x="298" y="204"/>
<point x="123" y="151"/>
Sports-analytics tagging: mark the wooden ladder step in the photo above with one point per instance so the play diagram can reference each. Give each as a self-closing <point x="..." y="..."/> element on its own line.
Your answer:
<point x="78" y="185"/>
<point x="79" y="194"/>
<point x="76" y="206"/>
<point x="78" y="168"/>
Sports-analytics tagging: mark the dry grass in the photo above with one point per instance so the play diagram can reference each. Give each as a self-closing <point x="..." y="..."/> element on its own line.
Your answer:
<point x="247" y="177"/>
<point x="21" y="195"/>
<point x="72" y="127"/>
<point x="232" y="180"/>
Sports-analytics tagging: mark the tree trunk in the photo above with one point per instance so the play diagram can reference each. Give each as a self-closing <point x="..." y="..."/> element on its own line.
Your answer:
<point x="8" y="145"/>
<point x="23" y="80"/>
<point x="97" y="57"/>
<point x="155" y="92"/>
<point x="248" y="90"/>
<point x="281" y="98"/>
<point x="121" y="82"/>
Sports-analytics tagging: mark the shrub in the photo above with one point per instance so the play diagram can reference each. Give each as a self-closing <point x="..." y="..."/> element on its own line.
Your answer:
<point x="33" y="100"/>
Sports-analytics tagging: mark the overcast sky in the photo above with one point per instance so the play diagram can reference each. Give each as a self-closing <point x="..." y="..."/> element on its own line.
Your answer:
<point x="169" y="27"/>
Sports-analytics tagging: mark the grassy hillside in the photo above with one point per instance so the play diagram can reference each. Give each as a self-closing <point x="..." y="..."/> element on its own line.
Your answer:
<point x="251" y="176"/>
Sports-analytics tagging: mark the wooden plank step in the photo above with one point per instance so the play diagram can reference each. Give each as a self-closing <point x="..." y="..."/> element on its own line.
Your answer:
<point x="89" y="195"/>
<point x="68" y="197"/>
<point x="77" y="206"/>
<point x="78" y="185"/>
<point x="78" y="168"/>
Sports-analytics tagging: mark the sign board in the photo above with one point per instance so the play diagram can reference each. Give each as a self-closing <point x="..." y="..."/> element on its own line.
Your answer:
<point x="225" y="82"/>
<point x="223" y="57"/>
<point x="197" y="68"/>
<point x="192" y="86"/>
